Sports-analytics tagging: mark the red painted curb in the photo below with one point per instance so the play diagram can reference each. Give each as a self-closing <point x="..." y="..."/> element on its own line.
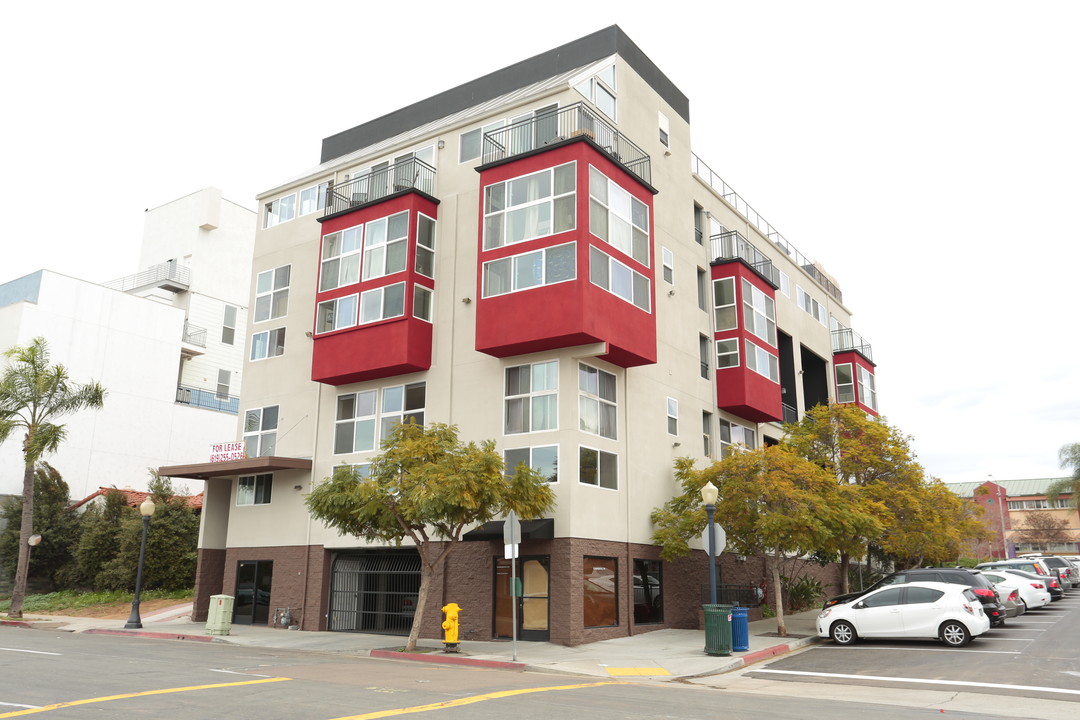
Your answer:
<point x="143" y="633"/>
<point x="448" y="660"/>
<point x="16" y="623"/>
<point x="759" y="655"/>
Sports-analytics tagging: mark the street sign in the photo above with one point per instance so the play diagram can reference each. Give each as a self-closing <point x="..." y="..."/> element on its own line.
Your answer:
<point x="510" y="552"/>
<point x="719" y="537"/>
<point x="511" y="529"/>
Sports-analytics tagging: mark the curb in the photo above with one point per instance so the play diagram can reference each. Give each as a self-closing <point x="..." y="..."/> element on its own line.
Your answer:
<point x="17" y="623"/>
<point x="448" y="660"/>
<point x="147" y="634"/>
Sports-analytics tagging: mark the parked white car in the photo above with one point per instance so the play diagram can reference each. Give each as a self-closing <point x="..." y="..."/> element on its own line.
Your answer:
<point x="1033" y="592"/>
<point x="951" y="613"/>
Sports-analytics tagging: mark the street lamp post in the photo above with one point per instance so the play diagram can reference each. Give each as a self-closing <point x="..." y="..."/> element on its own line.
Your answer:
<point x="708" y="496"/>
<point x="147" y="509"/>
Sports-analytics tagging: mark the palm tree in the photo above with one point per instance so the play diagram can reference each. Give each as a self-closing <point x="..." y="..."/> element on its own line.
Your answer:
<point x="33" y="394"/>
<point x="1069" y="456"/>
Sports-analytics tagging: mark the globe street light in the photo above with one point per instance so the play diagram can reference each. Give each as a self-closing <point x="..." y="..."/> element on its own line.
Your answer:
<point x="708" y="496"/>
<point x="147" y="509"/>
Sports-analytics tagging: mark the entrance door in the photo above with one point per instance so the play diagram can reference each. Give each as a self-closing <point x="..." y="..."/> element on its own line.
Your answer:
<point x="532" y="607"/>
<point x="254" y="579"/>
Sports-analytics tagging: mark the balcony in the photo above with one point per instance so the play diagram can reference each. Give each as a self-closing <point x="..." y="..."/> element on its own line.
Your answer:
<point x="568" y="123"/>
<point x="194" y="335"/>
<point x="733" y="246"/>
<point x="207" y="399"/>
<point x="847" y="340"/>
<point x="167" y="276"/>
<point x="411" y="174"/>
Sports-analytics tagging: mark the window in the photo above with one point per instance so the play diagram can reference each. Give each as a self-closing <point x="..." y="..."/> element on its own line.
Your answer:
<point x="280" y="210"/>
<point x="672" y="416"/>
<point x="601" y="584"/>
<point x="845" y="384"/>
<point x="704" y="346"/>
<point x="725" y="315"/>
<point x="597" y="401"/>
<point x="531" y="206"/>
<point x="313" y="198"/>
<point x="885" y="598"/>
<point x="385" y="245"/>
<point x="269" y="343"/>
<point x="648" y="592"/>
<point x="223" y="378"/>
<point x="669" y="266"/>
<point x="359" y="471"/>
<point x="762" y="362"/>
<point x="759" y="313"/>
<point x="228" y="325"/>
<point x="528" y="270"/>
<point x="382" y="303"/>
<point x="867" y="390"/>
<point x="402" y="404"/>
<point x="600" y="90"/>
<point x="810" y="305"/>
<point x="733" y="435"/>
<point x="254" y="489"/>
<point x="617" y="217"/>
<point x="272" y="293"/>
<point x="532" y="398"/>
<point x="785" y="283"/>
<point x="544" y="460"/>
<point x="470" y="144"/>
<point x="336" y="314"/>
<point x="354" y="430"/>
<point x="702" y="290"/>
<point x="727" y="353"/>
<point x="260" y="431"/>
<point x="596" y="467"/>
<point x="618" y="279"/>
<point x="425" y="246"/>
<point x="706" y="433"/>
<point x="665" y="128"/>
<point x="341" y="258"/>
<point x="421" y="302"/>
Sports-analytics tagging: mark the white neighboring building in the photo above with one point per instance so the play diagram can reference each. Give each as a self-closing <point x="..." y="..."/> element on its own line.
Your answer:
<point x="163" y="350"/>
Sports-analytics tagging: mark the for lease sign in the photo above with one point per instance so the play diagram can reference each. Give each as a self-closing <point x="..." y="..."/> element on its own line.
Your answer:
<point x="220" y="452"/>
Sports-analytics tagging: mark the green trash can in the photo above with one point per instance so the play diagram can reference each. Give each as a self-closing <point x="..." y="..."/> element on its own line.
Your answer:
<point x="717" y="629"/>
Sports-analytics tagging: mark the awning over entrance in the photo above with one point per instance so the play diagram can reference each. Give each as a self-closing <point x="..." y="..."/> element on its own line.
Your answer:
<point x="247" y="466"/>
<point x="542" y="529"/>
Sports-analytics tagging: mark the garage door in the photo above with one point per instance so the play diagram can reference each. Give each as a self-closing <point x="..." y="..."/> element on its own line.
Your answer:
<point x="374" y="592"/>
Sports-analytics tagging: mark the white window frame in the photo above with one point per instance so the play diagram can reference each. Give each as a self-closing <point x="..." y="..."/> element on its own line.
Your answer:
<point x="600" y="457"/>
<point x="425" y="251"/>
<point x="423" y="291"/>
<point x="525" y="401"/>
<point x="531" y="462"/>
<point x="759" y="312"/>
<point x="705" y="352"/>
<point x="479" y="133"/>
<point x="810" y="305"/>
<point x="279" y="211"/>
<point x="785" y="283"/>
<point x="867" y="387"/>
<point x="668" y="264"/>
<point x="377" y="251"/>
<point x="664" y="126"/>
<point x="672" y="416"/>
<point x="354" y="420"/>
<point x="515" y="275"/>
<point x="384" y="310"/>
<point x="269" y="293"/>
<point x="318" y="193"/>
<point x="757" y="356"/>
<point x="260" y="492"/>
<point x="605" y="213"/>
<point x="271" y="344"/>
<point x="345" y="260"/>
<point x="845" y="391"/>
<point x="727" y="310"/>
<point x="592" y="403"/>
<point x="603" y="81"/>
<point x="228" y="325"/>
<point x="496" y="219"/>
<point x="390" y="417"/>
<point x="733" y="435"/>
<point x="707" y="433"/>
<point x="602" y="267"/>
<point x="340" y="320"/>
<point x="263" y="433"/>
<point x="727" y="353"/>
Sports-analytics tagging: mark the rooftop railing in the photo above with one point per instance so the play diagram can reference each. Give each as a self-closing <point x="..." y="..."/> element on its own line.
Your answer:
<point x="169" y="275"/>
<point x="845" y="339"/>
<point x="730" y="245"/>
<point x="698" y="167"/>
<point x="411" y="174"/>
<point x="554" y="126"/>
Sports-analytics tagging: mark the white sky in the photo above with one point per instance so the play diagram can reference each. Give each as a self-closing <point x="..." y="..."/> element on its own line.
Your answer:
<point x="926" y="153"/>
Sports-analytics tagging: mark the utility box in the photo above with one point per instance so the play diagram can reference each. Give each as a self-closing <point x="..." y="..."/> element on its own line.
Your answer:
<point x="219" y="617"/>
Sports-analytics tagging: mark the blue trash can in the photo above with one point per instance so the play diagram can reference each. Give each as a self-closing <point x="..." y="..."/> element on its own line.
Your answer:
<point x="740" y="630"/>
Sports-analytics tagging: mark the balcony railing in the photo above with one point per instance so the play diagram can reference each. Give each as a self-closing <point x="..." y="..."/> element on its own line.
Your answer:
<point x="411" y="174"/>
<point x="207" y="399"/>
<point x="571" y="121"/>
<point x="194" y="335"/>
<point x="730" y="245"/>
<point x="845" y="339"/>
<point x="167" y="275"/>
<point x="698" y="167"/>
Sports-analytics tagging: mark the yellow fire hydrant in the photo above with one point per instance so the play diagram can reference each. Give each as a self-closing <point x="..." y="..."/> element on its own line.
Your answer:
<point x="450" y="626"/>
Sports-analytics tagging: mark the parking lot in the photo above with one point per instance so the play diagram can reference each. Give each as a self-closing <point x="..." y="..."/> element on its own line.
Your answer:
<point x="1035" y="655"/>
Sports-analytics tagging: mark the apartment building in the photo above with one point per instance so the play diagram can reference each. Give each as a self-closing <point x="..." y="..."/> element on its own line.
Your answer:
<point x="538" y="257"/>
<point x="1010" y="504"/>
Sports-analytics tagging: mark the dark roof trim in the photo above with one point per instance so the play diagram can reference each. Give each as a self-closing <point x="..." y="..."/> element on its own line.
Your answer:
<point x="204" y="471"/>
<point x="543" y="529"/>
<point x="609" y="41"/>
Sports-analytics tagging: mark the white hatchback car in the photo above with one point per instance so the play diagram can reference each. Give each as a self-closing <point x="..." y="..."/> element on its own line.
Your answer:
<point x="1032" y="592"/>
<point x="949" y="612"/>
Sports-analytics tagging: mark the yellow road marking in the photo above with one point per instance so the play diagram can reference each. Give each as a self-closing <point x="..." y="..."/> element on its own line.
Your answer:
<point x="73" y="703"/>
<point x="468" y="701"/>
<point x="618" y="672"/>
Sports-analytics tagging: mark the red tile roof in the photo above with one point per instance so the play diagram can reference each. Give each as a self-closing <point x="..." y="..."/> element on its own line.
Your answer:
<point x="135" y="498"/>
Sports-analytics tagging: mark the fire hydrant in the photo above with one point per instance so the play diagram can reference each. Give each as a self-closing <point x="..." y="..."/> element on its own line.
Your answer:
<point x="450" y="626"/>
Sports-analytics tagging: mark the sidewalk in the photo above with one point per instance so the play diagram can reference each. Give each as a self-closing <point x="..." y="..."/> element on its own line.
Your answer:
<point x="661" y="654"/>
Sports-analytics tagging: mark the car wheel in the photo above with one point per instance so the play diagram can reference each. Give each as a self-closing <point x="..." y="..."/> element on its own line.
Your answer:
<point x="843" y="633"/>
<point x="955" y="634"/>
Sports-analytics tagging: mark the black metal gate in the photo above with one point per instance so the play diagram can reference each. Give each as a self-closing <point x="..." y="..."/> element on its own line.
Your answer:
<point x="374" y="592"/>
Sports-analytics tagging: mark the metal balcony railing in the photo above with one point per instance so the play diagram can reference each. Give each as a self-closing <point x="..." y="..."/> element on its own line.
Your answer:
<point x="207" y="399"/>
<point x="168" y="275"/>
<point x="730" y="245"/>
<point x="571" y="121"/>
<point x="194" y="335"/>
<point x="411" y="174"/>
<point x="699" y="168"/>
<point x="844" y="339"/>
<point x="790" y="413"/>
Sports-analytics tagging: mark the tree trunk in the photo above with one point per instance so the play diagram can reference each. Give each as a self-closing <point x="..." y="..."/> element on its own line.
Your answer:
<point x="845" y="570"/>
<point x="781" y="628"/>
<point x="421" y="604"/>
<point x="18" y="592"/>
